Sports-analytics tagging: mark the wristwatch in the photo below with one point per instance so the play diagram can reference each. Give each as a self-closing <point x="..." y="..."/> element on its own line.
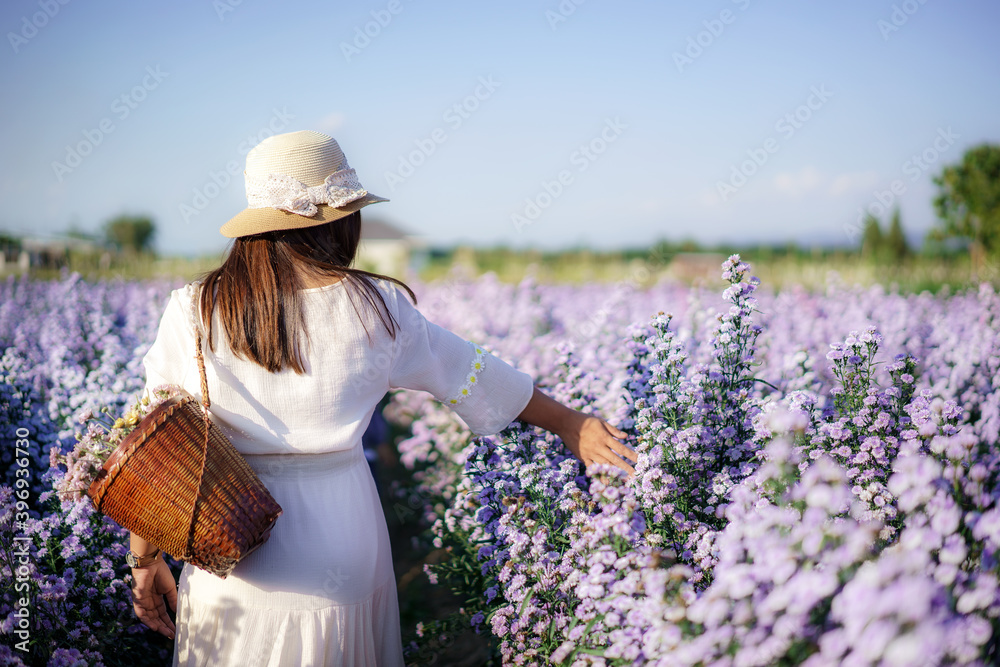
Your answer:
<point x="135" y="560"/>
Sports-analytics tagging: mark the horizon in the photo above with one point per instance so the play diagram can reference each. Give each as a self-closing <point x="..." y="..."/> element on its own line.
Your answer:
<point x="561" y="125"/>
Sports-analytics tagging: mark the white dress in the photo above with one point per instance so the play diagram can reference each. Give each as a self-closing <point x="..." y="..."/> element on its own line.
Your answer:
<point x="321" y="591"/>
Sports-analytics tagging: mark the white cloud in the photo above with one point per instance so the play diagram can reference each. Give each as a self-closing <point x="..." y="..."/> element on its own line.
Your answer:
<point x="810" y="180"/>
<point x="709" y="198"/>
<point x="651" y="205"/>
<point x="845" y="183"/>
<point x="796" y="184"/>
<point x="331" y="122"/>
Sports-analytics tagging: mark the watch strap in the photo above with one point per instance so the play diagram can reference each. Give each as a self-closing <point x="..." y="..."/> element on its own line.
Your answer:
<point x="136" y="560"/>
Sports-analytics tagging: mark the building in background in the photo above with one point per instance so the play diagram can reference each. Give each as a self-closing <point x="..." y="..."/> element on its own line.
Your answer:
<point x="389" y="250"/>
<point x="19" y="254"/>
<point x="695" y="266"/>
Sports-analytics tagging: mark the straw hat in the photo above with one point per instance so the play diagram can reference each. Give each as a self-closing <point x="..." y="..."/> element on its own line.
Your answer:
<point x="297" y="180"/>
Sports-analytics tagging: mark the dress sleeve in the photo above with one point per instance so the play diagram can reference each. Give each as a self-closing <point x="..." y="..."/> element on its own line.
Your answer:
<point x="487" y="393"/>
<point x="169" y="359"/>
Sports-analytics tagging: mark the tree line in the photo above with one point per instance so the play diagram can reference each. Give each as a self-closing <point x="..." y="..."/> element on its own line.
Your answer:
<point x="967" y="204"/>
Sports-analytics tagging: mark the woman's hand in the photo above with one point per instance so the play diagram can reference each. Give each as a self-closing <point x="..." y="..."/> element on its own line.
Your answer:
<point x="149" y="585"/>
<point x="594" y="440"/>
<point x="591" y="440"/>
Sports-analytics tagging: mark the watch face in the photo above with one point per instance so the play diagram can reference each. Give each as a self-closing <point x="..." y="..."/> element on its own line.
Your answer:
<point x="130" y="559"/>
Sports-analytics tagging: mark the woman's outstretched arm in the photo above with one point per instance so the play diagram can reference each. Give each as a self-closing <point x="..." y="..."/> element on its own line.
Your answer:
<point x="592" y="440"/>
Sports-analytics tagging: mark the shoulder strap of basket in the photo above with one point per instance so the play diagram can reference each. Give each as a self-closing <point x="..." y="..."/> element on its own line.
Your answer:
<point x="196" y="319"/>
<point x="205" y="404"/>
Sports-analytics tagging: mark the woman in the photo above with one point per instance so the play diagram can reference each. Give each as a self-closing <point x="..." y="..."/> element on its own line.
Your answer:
<point x="300" y="348"/>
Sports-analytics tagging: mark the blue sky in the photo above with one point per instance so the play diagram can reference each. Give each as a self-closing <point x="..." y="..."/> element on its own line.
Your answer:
<point x="607" y="124"/>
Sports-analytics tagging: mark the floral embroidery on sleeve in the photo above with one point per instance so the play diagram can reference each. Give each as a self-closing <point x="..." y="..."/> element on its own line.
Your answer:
<point x="478" y="362"/>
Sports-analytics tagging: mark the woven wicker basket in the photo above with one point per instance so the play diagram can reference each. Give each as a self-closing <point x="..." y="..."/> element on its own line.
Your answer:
<point x="177" y="482"/>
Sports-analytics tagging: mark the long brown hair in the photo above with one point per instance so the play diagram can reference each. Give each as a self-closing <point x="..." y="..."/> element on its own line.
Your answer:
<point x="257" y="289"/>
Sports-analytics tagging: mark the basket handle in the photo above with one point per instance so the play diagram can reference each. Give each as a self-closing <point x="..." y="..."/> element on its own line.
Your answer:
<point x="205" y="404"/>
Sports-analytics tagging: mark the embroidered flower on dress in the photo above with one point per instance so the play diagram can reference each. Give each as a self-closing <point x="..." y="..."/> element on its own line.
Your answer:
<point x="478" y="362"/>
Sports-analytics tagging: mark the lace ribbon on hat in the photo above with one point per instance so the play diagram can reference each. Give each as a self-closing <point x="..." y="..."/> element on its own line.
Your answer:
<point x="476" y="367"/>
<point x="285" y="193"/>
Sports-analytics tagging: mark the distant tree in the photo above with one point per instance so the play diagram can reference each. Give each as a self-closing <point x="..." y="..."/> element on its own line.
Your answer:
<point x="10" y="246"/>
<point x="968" y="200"/>
<point x="74" y="232"/>
<point x="130" y="233"/>
<point x="872" y="239"/>
<point x="896" y="246"/>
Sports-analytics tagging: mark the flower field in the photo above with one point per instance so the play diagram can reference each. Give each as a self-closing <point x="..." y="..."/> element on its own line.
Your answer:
<point x="817" y="481"/>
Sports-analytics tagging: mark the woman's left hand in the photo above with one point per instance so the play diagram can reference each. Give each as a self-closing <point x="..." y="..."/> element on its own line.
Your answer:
<point x="149" y="585"/>
<point x="593" y="440"/>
